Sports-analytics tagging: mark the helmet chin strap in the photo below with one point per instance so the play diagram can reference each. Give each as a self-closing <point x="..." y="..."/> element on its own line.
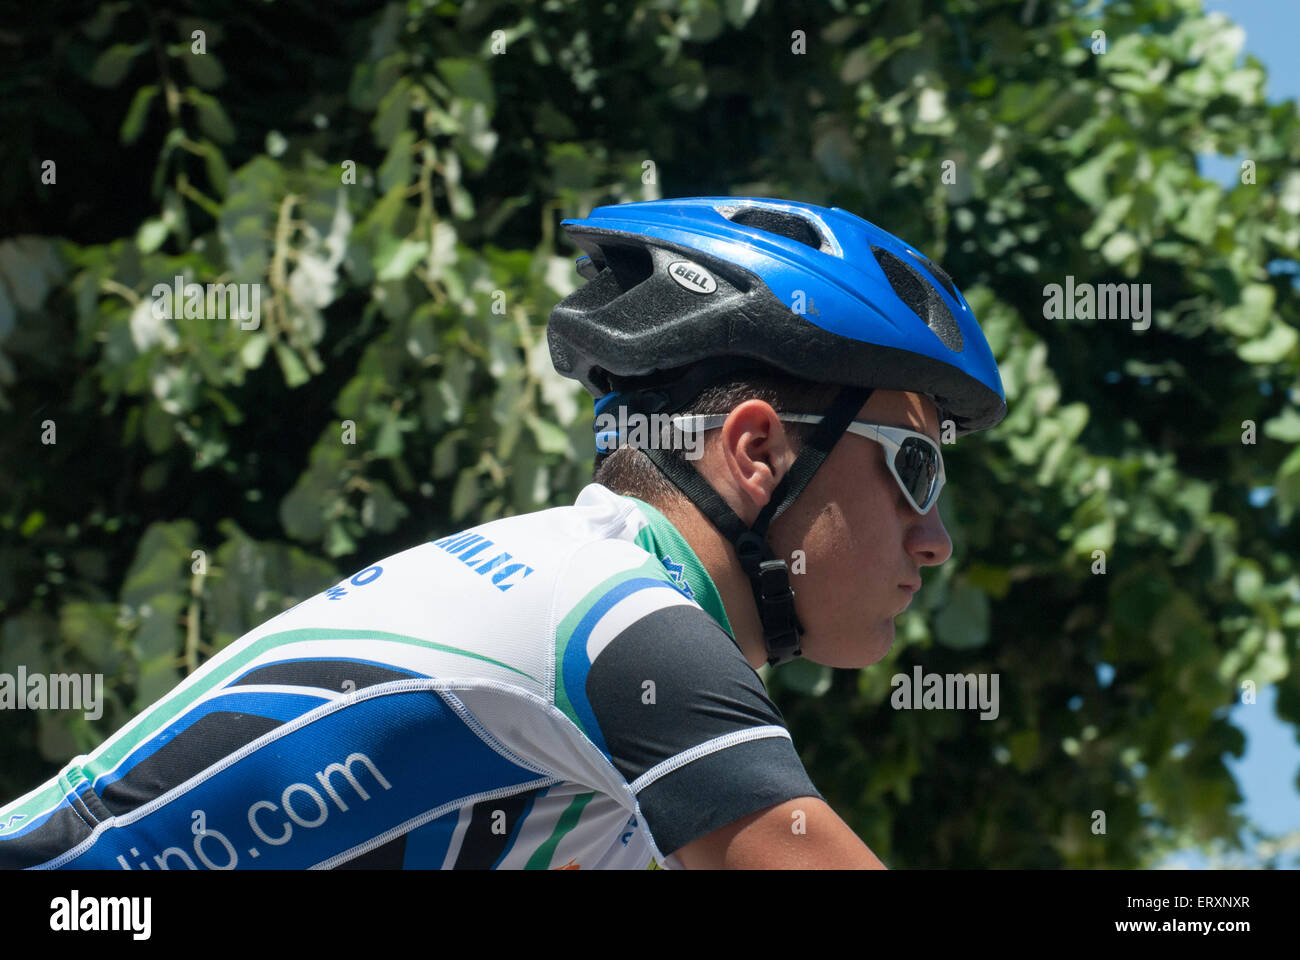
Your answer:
<point x="768" y="575"/>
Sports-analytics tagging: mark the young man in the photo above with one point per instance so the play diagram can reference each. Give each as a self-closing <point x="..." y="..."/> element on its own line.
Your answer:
<point x="576" y="688"/>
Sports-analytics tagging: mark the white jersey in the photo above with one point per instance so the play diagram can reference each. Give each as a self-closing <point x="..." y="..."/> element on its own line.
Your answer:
<point x="555" y="690"/>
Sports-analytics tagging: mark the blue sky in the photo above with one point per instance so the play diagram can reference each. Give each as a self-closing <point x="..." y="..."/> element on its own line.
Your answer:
<point x="1266" y="773"/>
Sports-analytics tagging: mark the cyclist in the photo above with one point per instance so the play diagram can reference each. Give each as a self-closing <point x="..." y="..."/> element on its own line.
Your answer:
<point x="577" y="687"/>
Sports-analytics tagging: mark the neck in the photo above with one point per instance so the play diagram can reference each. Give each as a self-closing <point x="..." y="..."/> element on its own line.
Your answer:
<point x="720" y="560"/>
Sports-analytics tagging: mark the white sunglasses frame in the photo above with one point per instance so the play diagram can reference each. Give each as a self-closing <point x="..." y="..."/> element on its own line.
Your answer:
<point x="889" y="437"/>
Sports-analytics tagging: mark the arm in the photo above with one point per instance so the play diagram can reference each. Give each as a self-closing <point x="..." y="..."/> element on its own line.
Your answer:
<point x="779" y="838"/>
<point x="714" y="769"/>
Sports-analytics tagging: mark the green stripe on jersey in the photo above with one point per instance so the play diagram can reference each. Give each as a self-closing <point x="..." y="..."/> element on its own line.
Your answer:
<point x="168" y="710"/>
<point x="661" y="539"/>
<point x="541" y="858"/>
<point x="564" y="630"/>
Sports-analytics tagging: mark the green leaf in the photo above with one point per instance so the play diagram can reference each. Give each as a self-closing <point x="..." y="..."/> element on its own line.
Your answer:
<point x="159" y="634"/>
<point x="1250" y="317"/>
<point x="24" y="263"/>
<point x="91" y="627"/>
<point x="204" y="69"/>
<point x="394" y="113"/>
<point x="381" y="510"/>
<point x="338" y="542"/>
<point x="1099" y="536"/>
<point x="111" y="65"/>
<point x="161" y="562"/>
<point x="135" y="114"/>
<point x="964" y="622"/>
<point x="739" y="11"/>
<point x="212" y="116"/>
<point x="396" y="169"/>
<point x="98" y="26"/>
<point x="550" y="438"/>
<point x="156" y="679"/>
<point x="444" y="455"/>
<point x="295" y="373"/>
<point x="572" y="165"/>
<point x="1285" y="426"/>
<point x="468" y="78"/>
<point x="995" y="581"/>
<point x="395" y="260"/>
<point x="1023" y="745"/>
<point x="812" y="679"/>
<point x="215" y="164"/>
<point x="389" y="442"/>
<point x="465" y="496"/>
<point x="1119" y="247"/>
<point x="302" y="511"/>
<point x="1088" y="179"/>
<point x="1198" y="221"/>
<point x="151" y="235"/>
<point x="1270" y="348"/>
<point x="35" y="520"/>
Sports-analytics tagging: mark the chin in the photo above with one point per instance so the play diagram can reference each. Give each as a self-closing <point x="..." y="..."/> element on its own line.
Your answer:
<point x="852" y="652"/>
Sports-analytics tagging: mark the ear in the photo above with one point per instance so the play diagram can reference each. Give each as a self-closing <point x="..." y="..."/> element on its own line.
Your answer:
<point x="755" y="454"/>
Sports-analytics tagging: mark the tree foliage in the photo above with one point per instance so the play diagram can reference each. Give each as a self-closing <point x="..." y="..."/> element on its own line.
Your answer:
<point x="393" y="175"/>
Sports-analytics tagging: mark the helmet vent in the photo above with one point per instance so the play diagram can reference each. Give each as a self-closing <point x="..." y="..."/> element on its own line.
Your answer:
<point x="938" y="272"/>
<point x="783" y="224"/>
<point x="631" y="265"/>
<point x="921" y="296"/>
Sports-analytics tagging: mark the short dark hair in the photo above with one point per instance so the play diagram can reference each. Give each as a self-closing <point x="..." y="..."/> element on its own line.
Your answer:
<point x="629" y="471"/>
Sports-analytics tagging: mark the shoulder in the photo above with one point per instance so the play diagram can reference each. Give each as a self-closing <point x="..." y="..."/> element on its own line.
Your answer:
<point x="664" y="692"/>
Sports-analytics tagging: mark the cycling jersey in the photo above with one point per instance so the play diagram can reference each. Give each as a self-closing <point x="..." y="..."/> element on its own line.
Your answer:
<point x="554" y="690"/>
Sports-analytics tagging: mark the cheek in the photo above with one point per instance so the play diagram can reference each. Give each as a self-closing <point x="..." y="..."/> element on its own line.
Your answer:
<point x="871" y="520"/>
<point x="855" y="543"/>
<point x="847" y="524"/>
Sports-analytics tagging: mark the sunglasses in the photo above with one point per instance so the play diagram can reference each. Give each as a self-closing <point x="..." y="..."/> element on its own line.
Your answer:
<point x="913" y="458"/>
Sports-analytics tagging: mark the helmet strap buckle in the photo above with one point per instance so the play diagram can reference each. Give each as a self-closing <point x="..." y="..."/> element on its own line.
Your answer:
<point x="770" y="580"/>
<point x="781" y="626"/>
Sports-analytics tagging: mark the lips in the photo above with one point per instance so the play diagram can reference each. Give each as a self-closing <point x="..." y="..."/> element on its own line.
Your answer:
<point x="909" y="587"/>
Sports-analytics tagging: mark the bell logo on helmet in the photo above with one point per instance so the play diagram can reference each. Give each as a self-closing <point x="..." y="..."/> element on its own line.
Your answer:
<point x="692" y="276"/>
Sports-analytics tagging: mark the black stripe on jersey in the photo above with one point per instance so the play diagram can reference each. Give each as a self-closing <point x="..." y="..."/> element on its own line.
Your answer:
<point x="326" y="674"/>
<point x="94" y="804"/>
<point x="703" y="688"/>
<point x="482" y="847"/>
<point x="720" y="788"/>
<point x="78" y="804"/>
<point x="57" y="835"/>
<point x="390" y="856"/>
<point x="193" y="750"/>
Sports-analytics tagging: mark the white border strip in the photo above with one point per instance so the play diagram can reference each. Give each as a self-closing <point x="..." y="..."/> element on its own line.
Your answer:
<point x="429" y="815"/>
<point x="704" y="749"/>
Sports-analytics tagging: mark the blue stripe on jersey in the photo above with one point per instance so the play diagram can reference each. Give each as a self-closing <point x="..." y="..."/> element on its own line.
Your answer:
<point x="335" y="783"/>
<point x="519" y="825"/>
<point x="278" y="706"/>
<point x="576" y="663"/>
<point x="369" y="663"/>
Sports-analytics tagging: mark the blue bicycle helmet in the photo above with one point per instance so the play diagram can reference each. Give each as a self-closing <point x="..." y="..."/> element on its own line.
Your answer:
<point x="681" y="292"/>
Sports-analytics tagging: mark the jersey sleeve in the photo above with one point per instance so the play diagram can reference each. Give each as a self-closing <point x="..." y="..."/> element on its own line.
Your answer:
<point x="687" y="721"/>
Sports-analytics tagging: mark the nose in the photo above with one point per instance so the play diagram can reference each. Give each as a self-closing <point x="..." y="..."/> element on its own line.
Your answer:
<point x="927" y="541"/>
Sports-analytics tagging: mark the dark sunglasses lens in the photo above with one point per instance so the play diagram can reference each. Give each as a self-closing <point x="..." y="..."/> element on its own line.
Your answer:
<point x="918" y="464"/>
